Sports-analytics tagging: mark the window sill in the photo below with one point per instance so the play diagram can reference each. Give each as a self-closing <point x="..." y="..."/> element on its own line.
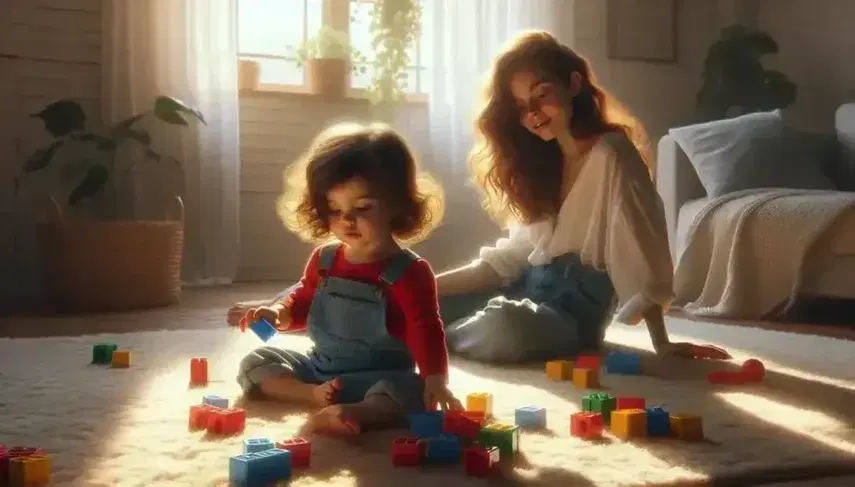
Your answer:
<point x="298" y="93"/>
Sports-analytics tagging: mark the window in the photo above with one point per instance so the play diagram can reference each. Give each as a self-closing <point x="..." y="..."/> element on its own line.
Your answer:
<point x="268" y="29"/>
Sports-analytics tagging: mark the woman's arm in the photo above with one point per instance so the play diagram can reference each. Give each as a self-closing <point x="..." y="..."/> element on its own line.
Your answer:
<point x="477" y="276"/>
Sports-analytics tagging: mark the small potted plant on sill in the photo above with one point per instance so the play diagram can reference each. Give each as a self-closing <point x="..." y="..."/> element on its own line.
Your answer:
<point x="94" y="260"/>
<point x="328" y="59"/>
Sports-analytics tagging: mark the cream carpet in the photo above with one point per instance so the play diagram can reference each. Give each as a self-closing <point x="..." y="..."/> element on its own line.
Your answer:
<point x="109" y="427"/>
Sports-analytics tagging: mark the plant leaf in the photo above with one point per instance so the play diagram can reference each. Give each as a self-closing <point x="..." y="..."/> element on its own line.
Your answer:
<point x="128" y="122"/>
<point x="101" y="142"/>
<point x="126" y="132"/>
<point x="42" y="157"/>
<point x="62" y="117"/>
<point x="92" y="184"/>
<point x="174" y="118"/>
<point x="170" y="110"/>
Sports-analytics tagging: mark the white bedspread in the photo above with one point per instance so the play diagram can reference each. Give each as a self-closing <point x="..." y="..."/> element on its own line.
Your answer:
<point x="746" y="250"/>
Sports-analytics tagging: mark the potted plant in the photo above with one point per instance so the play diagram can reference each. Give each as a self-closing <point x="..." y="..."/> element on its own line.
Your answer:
<point x="329" y="58"/>
<point x="95" y="260"/>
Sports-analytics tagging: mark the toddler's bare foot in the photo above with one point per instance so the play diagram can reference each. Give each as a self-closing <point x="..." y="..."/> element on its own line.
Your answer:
<point x="337" y="420"/>
<point x="327" y="393"/>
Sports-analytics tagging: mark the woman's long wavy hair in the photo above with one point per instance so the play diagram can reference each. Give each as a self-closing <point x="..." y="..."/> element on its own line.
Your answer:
<point x="519" y="173"/>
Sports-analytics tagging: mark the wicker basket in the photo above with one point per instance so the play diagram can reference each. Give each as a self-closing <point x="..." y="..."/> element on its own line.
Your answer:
<point x="95" y="266"/>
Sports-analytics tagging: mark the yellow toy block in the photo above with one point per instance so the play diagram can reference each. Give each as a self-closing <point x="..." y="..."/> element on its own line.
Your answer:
<point x="31" y="470"/>
<point x="121" y="359"/>
<point x="629" y="423"/>
<point x="585" y="378"/>
<point x="481" y="402"/>
<point x="559" y="369"/>
<point x="689" y="427"/>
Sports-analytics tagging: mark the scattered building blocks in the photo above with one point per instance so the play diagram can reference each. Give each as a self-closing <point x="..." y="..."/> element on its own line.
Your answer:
<point x="585" y="378"/>
<point x="227" y="421"/>
<point x="587" y="425"/>
<point x="407" y="451"/>
<point x="253" y="445"/>
<point x="443" y="449"/>
<point x="688" y="427"/>
<point x="199" y="416"/>
<point x="533" y="417"/>
<point x="588" y="362"/>
<point x="216" y="401"/>
<point x="301" y="451"/>
<point x="630" y="403"/>
<point x="503" y="436"/>
<point x="121" y="359"/>
<point x="480" y="401"/>
<point x="457" y="423"/>
<point x="559" y="369"/>
<point x="599" y="402"/>
<point x="658" y="422"/>
<point x="623" y="363"/>
<point x="629" y="423"/>
<point x="263" y="329"/>
<point x="29" y="470"/>
<point x="198" y="371"/>
<point x="260" y="469"/>
<point x="426" y="425"/>
<point x="102" y="353"/>
<point x="481" y="461"/>
<point x="6" y="456"/>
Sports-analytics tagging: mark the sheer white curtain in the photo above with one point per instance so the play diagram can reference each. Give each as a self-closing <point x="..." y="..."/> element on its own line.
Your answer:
<point x="186" y="49"/>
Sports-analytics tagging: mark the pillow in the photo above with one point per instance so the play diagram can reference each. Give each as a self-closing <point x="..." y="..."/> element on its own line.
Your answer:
<point x="791" y="159"/>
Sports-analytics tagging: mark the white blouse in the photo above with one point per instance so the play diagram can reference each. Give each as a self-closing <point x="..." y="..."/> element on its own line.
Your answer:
<point x="613" y="218"/>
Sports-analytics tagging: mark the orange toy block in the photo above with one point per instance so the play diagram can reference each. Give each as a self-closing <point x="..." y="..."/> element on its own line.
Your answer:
<point x="227" y="421"/>
<point x="688" y="427"/>
<point x="29" y="470"/>
<point x="480" y="402"/>
<point x="629" y="423"/>
<point x="198" y="371"/>
<point x="199" y="415"/>
<point x="121" y="359"/>
<point x="585" y="378"/>
<point x="559" y="369"/>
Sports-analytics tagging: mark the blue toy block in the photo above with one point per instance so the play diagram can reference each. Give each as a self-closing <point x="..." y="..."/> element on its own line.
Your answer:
<point x="533" y="417"/>
<point x="427" y="425"/>
<point x="263" y="329"/>
<point x="658" y="421"/>
<point x="623" y="363"/>
<point x="260" y="469"/>
<point x="443" y="449"/>
<point x="253" y="445"/>
<point x="216" y="401"/>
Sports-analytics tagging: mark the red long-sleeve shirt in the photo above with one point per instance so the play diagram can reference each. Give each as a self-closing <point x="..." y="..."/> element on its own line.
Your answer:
<point x="412" y="309"/>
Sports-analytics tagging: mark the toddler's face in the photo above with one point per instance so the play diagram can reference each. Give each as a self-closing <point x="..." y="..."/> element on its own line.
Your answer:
<point x="356" y="216"/>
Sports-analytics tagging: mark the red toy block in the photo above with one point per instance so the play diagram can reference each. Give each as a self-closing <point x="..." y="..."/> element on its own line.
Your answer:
<point x="586" y="425"/>
<point x="631" y="403"/>
<point x="199" y="415"/>
<point x="481" y="461"/>
<point x="301" y="451"/>
<point x="588" y="362"/>
<point x="458" y="424"/>
<point x="407" y="452"/>
<point x="226" y="421"/>
<point x="479" y="417"/>
<point x="198" y="371"/>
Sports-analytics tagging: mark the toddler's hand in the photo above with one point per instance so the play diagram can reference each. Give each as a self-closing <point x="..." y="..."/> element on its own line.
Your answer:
<point x="277" y="315"/>
<point x="438" y="394"/>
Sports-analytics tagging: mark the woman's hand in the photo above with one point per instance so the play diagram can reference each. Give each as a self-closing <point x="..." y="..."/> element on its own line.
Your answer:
<point x="690" y="350"/>
<point x="278" y="315"/>
<point x="438" y="394"/>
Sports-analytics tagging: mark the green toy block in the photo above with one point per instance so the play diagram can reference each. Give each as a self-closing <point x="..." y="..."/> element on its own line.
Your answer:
<point x="600" y="402"/>
<point x="102" y="353"/>
<point x="503" y="436"/>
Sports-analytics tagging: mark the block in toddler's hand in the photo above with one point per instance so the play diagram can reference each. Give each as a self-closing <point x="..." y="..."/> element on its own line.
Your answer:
<point x="263" y="329"/>
<point x="559" y="369"/>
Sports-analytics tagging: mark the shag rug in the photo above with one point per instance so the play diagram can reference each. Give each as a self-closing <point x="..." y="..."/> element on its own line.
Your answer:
<point x="114" y="427"/>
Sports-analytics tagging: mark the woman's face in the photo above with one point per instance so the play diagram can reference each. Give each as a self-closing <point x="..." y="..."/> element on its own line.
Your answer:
<point x="540" y="106"/>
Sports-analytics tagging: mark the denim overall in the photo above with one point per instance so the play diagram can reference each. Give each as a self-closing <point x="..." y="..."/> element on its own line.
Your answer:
<point x="553" y="311"/>
<point x="347" y="324"/>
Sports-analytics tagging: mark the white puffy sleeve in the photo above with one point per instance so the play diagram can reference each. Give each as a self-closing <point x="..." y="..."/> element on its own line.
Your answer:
<point x="510" y="256"/>
<point x="637" y="256"/>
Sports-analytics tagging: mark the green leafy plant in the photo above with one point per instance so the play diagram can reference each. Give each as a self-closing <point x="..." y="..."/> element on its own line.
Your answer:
<point x="330" y="43"/>
<point x="735" y="81"/>
<point x="95" y="155"/>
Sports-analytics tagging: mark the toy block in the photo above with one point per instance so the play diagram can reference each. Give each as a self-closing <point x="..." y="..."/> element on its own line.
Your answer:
<point x="559" y="369"/>
<point x="216" y="401"/>
<point x="199" y="416"/>
<point x="623" y="363"/>
<point x="629" y="423"/>
<point x="29" y="470"/>
<point x="586" y="424"/>
<point x="457" y="423"/>
<point x="630" y="403"/>
<point x="503" y="436"/>
<point x="599" y="402"/>
<point x="443" y="449"/>
<point x="687" y="427"/>
<point x="263" y="329"/>
<point x="407" y="452"/>
<point x="585" y="378"/>
<point x="260" y="468"/>
<point x="479" y="417"/>
<point x="533" y="417"/>
<point x="426" y="425"/>
<point x="301" y="451"/>
<point x="227" y="422"/>
<point x="121" y="359"/>
<point x="481" y="461"/>
<point x="658" y="421"/>
<point x="253" y="445"/>
<point x="198" y="371"/>
<point x="480" y="401"/>
<point x="588" y="362"/>
<point x="102" y="353"/>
